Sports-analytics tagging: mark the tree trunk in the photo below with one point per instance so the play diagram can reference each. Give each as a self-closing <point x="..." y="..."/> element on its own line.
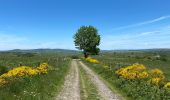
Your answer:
<point x="85" y="55"/>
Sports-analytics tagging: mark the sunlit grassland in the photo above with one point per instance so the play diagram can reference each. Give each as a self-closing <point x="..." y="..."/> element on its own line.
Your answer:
<point x="149" y="59"/>
<point x="133" y="89"/>
<point x="39" y="87"/>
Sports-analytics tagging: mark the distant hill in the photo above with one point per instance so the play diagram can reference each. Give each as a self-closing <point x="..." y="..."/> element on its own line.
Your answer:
<point x="66" y="51"/>
<point x="44" y="51"/>
<point x="138" y="50"/>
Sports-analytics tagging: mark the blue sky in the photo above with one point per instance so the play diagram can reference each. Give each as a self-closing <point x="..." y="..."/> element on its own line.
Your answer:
<point x="122" y="24"/>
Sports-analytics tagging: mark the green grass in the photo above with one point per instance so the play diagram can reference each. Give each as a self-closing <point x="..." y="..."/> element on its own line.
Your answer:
<point x="108" y="78"/>
<point x="119" y="59"/>
<point x="135" y="89"/>
<point x="88" y="90"/>
<point x="40" y="87"/>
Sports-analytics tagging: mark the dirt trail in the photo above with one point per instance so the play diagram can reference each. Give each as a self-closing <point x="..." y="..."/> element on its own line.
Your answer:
<point x="103" y="90"/>
<point x="71" y="87"/>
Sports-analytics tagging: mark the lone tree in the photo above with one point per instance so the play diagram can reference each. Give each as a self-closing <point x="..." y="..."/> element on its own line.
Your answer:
<point x="88" y="40"/>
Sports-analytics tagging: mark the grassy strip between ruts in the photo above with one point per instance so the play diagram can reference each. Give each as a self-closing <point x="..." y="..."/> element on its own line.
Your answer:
<point x="40" y="87"/>
<point x="105" y="77"/>
<point x="88" y="90"/>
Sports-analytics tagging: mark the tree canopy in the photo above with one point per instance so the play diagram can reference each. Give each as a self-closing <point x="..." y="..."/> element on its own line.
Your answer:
<point x="87" y="39"/>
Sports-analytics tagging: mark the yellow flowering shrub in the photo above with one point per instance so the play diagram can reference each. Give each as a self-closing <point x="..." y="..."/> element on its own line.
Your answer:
<point x="156" y="80"/>
<point x="157" y="76"/>
<point x="137" y="67"/>
<point x="133" y="71"/>
<point x="157" y="73"/>
<point x="91" y="60"/>
<point x="23" y="71"/>
<point x="20" y="71"/>
<point x="141" y="83"/>
<point x="167" y="85"/>
<point x="43" y="68"/>
<point x="143" y="74"/>
<point x="2" y="82"/>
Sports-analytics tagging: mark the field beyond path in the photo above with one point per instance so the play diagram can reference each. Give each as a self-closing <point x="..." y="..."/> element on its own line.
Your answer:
<point x="103" y="90"/>
<point x="71" y="88"/>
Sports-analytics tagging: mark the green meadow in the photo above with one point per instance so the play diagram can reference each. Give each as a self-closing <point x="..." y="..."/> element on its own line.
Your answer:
<point x="39" y="87"/>
<point x="133" y="89"/>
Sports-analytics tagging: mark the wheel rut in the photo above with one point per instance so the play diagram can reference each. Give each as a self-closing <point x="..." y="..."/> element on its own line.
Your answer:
<point x="71" y="87"/>
<point x="104" y="91"/>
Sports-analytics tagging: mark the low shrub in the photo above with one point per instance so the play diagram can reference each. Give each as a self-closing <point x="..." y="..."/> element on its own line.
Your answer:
<point x="3" y="69"/>
<point x="75" y="57"/>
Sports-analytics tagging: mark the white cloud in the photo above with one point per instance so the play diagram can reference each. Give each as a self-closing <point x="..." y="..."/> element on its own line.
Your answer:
<point x="150" y="33"/>
<point x="54" y="45"/>
<point x="6" y="38"/>
<point x="152" y="39"/>
<point x="143" y="23"/>
<point x="9" y="41"/>
<point x="154" y="20"/>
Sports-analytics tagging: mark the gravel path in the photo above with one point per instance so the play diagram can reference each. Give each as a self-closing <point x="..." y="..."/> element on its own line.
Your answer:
<point x="103" y="90"/>
<point x="71" y="88"/>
